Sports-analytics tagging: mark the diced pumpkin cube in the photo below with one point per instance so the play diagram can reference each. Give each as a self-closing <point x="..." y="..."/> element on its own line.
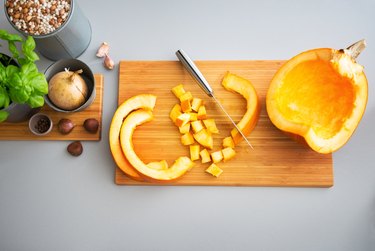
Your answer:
<point x="197" y="126"/>
<point x="228" y="153"/>
<point x="193" y="116"/>
<point x="185" y="128"/>
<point x="216" y="156"/>
<point x="214" y="170"/>
<point x="204" y="138"/>
<point x="175" y="112"/>
<point x="202" y="113"/>
<point x="178" y="90"/>
<point x="185" y="106"/>
<point x="186" y="96"/>
<point x="205" y="156"/>
<point x="187" y="139"/>
<point x="196" y="103"/>
<point x="158" y="165"/>
<point x="210" y="125"/>
<point x="194" y="152"/>
<point x="182" y="119"/>
<point x="228" y="142"/>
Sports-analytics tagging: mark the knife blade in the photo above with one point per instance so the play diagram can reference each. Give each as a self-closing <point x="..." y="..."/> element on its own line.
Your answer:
<point x="202" y="82"/>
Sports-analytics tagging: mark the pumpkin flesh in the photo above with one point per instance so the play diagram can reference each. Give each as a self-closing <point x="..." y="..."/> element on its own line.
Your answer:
<point x="320" y="96"/>
<point x="326" y="98"/>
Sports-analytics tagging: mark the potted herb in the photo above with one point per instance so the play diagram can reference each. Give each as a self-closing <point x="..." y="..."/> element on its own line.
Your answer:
<point x="21" y="84"/>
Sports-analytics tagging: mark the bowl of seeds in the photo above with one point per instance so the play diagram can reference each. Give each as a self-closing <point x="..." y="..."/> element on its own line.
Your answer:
<point x="39" y="17"/>
<point x="51" y="23"/>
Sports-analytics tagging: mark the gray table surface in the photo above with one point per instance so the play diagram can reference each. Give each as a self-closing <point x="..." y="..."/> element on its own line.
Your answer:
<point x="52" y="201"/>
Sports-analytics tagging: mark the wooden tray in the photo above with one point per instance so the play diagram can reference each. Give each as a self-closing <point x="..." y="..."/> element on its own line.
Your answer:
<point x="20" y="131"/>
<point x="276" y="159"/>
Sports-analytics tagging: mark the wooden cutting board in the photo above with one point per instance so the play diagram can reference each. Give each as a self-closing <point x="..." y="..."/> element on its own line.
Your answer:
<point x="276" y="159"/>
<point x="20" y="131"/>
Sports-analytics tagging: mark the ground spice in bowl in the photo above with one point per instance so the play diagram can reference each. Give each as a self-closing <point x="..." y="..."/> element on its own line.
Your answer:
<point x="38" y="17"/>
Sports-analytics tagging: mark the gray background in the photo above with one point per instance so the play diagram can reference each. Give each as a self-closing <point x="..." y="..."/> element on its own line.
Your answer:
<point x="52" y="201"/>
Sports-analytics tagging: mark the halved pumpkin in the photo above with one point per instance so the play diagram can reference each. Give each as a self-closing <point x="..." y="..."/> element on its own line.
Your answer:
<point x="144" y="101"/>
<point x="244" y="87"/>
<point x="318" y="96"/>
<point x="178" y="169"/>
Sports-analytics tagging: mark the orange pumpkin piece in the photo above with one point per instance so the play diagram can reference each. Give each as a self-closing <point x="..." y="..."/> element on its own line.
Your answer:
<point x="185" y="106"/>
<point x="228" y="142"/>
<point x="214" y="170"/>
<point x="211" y="125"/>
<point x="187" y="139"/>
<point x="204" y="138"/>
<point x="193" y="116"/>
<point x="202" y="113"/>
<point x="244" y="87"/>
<point x="185" y="100"/>
<point x="217" y="156"/>
<point x="228" y="153"/>
<point x="182" y="119"/>
<point x="205" y="156"/>
<point x="178" y="90"/>
<point x="197" y="126"/>
<point x="175" y="112"/>
<point x="185" y="128"/>
<point x="194" y="152"/>
<point x="196" y="103"/>
<point x="178" y="169"/>
<point x="158" y="165"/>
<point x="319" y="96"/>
<point x="143" y="101"/>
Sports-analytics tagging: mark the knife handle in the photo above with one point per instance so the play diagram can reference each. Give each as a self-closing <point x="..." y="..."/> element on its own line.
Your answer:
<point x="194" y="72"/>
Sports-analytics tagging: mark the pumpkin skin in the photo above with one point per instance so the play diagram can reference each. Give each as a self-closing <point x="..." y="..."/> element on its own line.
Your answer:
<point x="149" y="172"/>
<point x="142" y="101"/>
<point x="318" y="97"/>
<point x="245" y="88"/>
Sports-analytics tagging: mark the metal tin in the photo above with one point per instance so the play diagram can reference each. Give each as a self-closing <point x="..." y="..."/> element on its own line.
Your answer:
<point x="70" y="40"/>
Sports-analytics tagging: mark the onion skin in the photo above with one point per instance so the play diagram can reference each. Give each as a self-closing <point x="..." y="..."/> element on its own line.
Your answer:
<point x="67" y="90"/>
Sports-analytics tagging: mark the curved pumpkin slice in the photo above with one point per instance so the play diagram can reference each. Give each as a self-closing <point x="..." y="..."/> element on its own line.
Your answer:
<point x="179" y="168"/>
<point x="158" y="165"/>
<point x="318" y="96"/>
<point x="144" y="101"/>
<point x="244" y="87"/>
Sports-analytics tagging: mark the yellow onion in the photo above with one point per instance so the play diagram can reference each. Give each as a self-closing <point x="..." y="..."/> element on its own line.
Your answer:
<point x="68" y="90"/>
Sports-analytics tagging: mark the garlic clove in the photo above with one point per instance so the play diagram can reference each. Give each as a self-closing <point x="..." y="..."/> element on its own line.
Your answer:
<point x="108" y="62"/>
<point x="103" y="50"/>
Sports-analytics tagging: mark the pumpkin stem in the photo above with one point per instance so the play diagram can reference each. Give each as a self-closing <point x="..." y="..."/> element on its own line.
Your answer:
<point x="355" y="49"/>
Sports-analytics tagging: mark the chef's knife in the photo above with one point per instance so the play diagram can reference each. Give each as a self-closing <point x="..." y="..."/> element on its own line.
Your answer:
<point x="202" y="82"/>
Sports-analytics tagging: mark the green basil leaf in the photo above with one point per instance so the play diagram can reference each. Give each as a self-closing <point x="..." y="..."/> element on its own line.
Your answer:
<point x="11" y="69"/>
<point x="18" y="95"/>
<point x="2" y="97"/>
<point x="29" y="44"/>
<point x="28" y="69"/>
<point x="13" y="49"/>
<point x="32" y="56"/>
<point x="28" y="49"/>
<point x="22" y="61"/>
<point x="5" y="35"/>
<point x="7" y="100"/>
<point x="3" y="75"/>
<point x="14" y="81"/>
<point x="3" y="115"/>
<point x="39" y="83"/>
<point x="36" y="101"/>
